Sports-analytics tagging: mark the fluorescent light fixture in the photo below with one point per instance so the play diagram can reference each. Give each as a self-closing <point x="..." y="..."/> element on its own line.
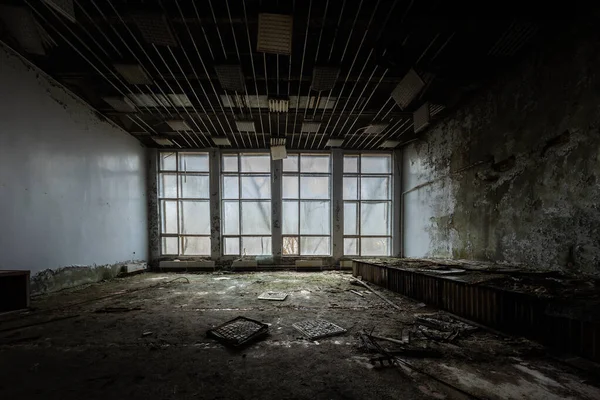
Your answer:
<point x="421" y="118"/>
<point x="324" y="78"/>
<point x="408" y="89"/>
<point x="278" y="141"/>
<point x="120" y="103"/>
<point x="22" y="25"/>
<point x="162" y="141"/>
<point x="335" y="142"/>
<point x="155" y="29"/>
<point x="231" y="77"/>
<point x="133" y="73"/>
<point x="389" y="144"/>
<point x="279" y="105"/>
<point x="278" y="152"/>
<point x="376" y="128"/>
<point x="221" y="141"/>
<point x="274" y="33"/>
<point x="178" y="125"/>
<point x="245" y="126"/>
<point x="63" y="7"/>
<point x="310" y="127"/>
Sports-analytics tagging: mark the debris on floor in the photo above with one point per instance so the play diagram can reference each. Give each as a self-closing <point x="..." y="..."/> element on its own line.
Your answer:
<point x="315" y="329"/>
<point x="442" y="327"/>
<point x="274" y="296"/>
<point x="239" y="331"/>
<point x="356" y="293"/>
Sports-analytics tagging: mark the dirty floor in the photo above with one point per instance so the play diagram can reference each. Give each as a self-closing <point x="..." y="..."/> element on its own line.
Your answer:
<point x="144" y="337"/>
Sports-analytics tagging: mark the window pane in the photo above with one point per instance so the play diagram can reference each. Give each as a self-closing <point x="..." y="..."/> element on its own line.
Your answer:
<point x="230" y="163"/>
<point x="314" y="163"/>
<point x="375" y="188"/>
<point x="168" y="216"/>
<point x="231" y="188"/>
<point x="314" y="187"/>
<point x="256" y="246"/>
<point x="375" y="246"/>
<point x="374" y="219"/>
<point x="256" y="163"/>
<point x="314" y="246"/>
<point x="290" y="187"/>
<point x="168" y="161"/>
<point x="350" y="164"/>
<point x="351" y="188"/>
<point x="256" y="187"/>
<point x="376" y="164"/>
<point x="169" y="245"/>
<point x="256" y="217"/>
<point x="194" y="186"/>
<point x="314" y="217"/>
<point x="351" y="246"/>
<point x="231" y="218"/>
<point x="190" y="162"/>
<point x="290" y="246"/>
<point x="290" y="217"/>
<point x="290" y="164"/>
<point x="195" y="246"/>
<point x="167" y="185"/>
<point x="350" y="218"/>
<point x="232" y="246"/>
<point x="194" y="217"/>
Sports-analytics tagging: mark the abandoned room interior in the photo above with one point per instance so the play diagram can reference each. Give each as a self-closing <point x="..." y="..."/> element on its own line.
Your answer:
<point x="299" y="199"/>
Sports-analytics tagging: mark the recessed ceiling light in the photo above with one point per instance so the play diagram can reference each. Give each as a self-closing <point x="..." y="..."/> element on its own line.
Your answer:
<point x="133" y="73"/>
<point x="221" y="141"/>
<point x="389" y="144"/>
<point x="274" y="33"/>
<point x="335" y="142"/>
<point x="64" y="7"/>
<point x="376" y="128"/>
<point x="155" y="29"/>
<point x="408" y="89"/>
<point x="231" y="77"/>
<point x="245" y="126"/>
<point x="421" y="118"/>
<point x="162" y="141"/>
<point x="178" y="125"/>
<point x="310" y="127"/>
<point x="324" y="78"/>
<point x="120" y="103"/>
<point x="279" y="104"/>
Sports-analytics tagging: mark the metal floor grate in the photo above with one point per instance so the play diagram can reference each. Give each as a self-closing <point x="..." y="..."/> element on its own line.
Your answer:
<point x="239" y="331"/>
<point x="318" y="328"/>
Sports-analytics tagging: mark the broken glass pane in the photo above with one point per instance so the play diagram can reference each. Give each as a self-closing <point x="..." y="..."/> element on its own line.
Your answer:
<point x="350" y="218"/>
<point x="232" y="246"/>
<point x="230" y="163"/>
<point x="290" y="246"/>
<point x="314" y="218"/>
<point x="351" y="246"/>
<point x="290" y="187"/>
<point x="256" y="163"/>
<point x="375" y="164"/>
<point x="193" y="162"/>
<point x="231" y="218"/>
<point x="256" y="187"/>
<point x="290" y="164"/>
<point x="256" y="246"/>
<point x="374" y="218"/>
<point x="314" y="163"/>
<point x="169" y="245"/>
<point x="375" y="188"/>
<point x="314" y="246"/>
<point x="350" y="188"/>
<point x="168" y="161"/>
<point x="167" y="186"/>
<point x="195" y="246"/>
<point x="231" y="188"/>
<point x="168" y="216"/>
<point x="256" y="217"/>
<point x="314" y="187"/>
<point x="375" y="246"/>
<point x="194" y="186"/>
<point x="290" y="217"/>
<point x="350" y="164"/>
<point x="194" y="217"/>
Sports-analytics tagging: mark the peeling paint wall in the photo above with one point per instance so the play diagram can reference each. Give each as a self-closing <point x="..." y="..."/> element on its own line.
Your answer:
<point x="514" y="175"/>
<point x="72" y="185"/>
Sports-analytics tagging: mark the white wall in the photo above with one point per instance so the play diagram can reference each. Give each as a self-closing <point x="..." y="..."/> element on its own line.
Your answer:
<point x="72" y="187"/>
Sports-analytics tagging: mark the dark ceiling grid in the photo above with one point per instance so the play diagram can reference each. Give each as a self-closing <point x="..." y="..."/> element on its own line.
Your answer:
<point x="287" y="115"/>
<point x="300" y="83"/>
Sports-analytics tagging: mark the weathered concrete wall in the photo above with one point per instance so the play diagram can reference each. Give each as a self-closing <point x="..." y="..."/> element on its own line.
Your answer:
<point x="515" y="174"/>
<point x="72" y="186"/>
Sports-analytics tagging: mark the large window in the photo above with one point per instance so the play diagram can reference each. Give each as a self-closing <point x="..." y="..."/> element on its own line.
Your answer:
<point x="367" y="204"/>
<point x="246" y="210"/>
<point x="183" y="193"/>
<point x="306" y="205"/>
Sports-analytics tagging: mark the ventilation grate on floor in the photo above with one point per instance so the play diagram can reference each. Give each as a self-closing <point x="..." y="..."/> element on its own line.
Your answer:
<point x="318" y="328"/>
<point x="239" y="331"/>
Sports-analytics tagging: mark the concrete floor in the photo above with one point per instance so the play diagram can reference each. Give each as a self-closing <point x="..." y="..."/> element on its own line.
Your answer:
<point x="90" y="355"/>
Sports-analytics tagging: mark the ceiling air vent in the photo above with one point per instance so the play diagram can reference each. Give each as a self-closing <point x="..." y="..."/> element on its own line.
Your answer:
<point x="310" y="127"/>
<point x="421" y="118"/>
<point x="274" y="33"/>
<point x="133" y="73"/>
<point x="63" y="7"/>
<point x="335" y="142"/>
<point x="155" y="29"/>
<point x="324" y="78"/>
<point x="408" y="89"/>
<point x="245" y="126"/>
<point x="231" y="77"/>
<point x="221" y="141"/>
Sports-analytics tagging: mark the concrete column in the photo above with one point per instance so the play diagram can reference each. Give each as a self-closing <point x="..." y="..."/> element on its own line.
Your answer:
<point x="337" y="204"/>
<point x="276" y="206"/>
<point x="397" y="206"/>
<point x="153" y="215"/>
<point x="215" y="204"/>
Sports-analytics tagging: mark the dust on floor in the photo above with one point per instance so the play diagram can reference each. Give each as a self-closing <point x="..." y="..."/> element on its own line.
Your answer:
<point x="144" y="337"/>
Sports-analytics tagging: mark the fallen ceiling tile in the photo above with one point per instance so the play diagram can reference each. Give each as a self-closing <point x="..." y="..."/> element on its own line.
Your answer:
<point x="335" y="142"/>
<point x="221" y="141"/>
<point x="178" y="125"/>
<point x="133" y="73"/>
<point x="324" y="78"/>
<point x="231" y="77"/>
<point x="245" y="126"/>
<point x="421" y="118"/>
<point x="274" y="33"/>
<point x="63" y="7"/>
<point x="155" y="29"/>
<point x="22" y="25"/>
<point x="162" y="141"/>
<point x="408" y="89"/>
<point x="276" y="296"/>
<point x="389" y="144"/>
<point x="318" y="328"/>
<point x="376" y="128"/>
<point x="120" y="103"/>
